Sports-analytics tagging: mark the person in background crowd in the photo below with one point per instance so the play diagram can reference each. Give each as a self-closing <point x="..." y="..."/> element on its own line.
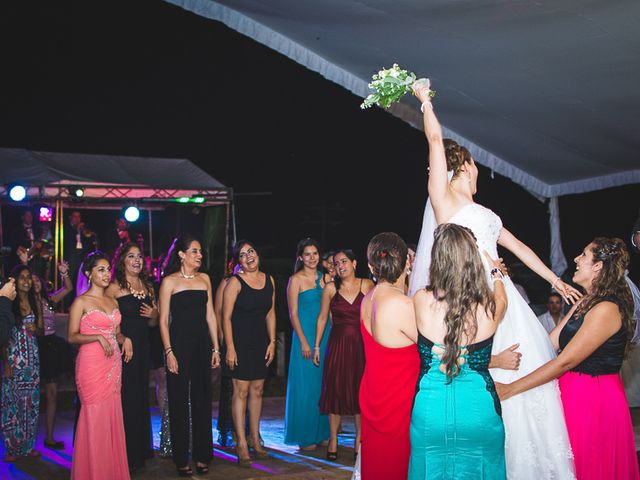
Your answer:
<point x="20" y="402"/>
<point x="328" y="269"/>
<point x="552" y="316"/>
<point x="635" y="235"/>
<point x="55" y="352"/>
<point x="7" y="320"/>
<point x="225" y="417"/>
<point x="593" y="339"/>
<point x="78" y="242"/>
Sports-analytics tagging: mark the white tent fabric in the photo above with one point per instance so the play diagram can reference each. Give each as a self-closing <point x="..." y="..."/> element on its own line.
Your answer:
<point x="541" y="92"/>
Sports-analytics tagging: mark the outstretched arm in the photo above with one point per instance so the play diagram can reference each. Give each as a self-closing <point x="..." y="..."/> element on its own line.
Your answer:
<point x="438" y="181"/>
<point x="531" y="260"/>
<point x="599" y="325"/>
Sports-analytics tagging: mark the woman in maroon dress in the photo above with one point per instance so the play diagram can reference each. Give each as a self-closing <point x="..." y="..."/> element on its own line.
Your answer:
<point x="392" y="363"/>
<point x="344" y="358"/>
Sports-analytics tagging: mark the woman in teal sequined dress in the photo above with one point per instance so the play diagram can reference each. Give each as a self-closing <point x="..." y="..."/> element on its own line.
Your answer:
<point x="304" y="424"/>
<point x="456" y="425"/>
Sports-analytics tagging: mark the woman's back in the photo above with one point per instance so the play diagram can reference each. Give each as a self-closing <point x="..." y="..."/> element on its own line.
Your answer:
<point x="456" y="425"/>
<point x="388" y="384"/>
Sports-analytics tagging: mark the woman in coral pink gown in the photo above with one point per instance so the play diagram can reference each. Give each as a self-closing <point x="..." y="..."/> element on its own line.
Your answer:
<point x="392" y="363"/>
<point x="94" y="323"/>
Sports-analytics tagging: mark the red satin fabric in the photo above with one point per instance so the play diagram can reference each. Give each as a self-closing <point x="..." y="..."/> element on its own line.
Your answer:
<point x="386" y="399"/>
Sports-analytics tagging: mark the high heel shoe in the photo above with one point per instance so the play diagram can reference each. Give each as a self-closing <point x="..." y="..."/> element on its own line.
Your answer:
<point x="243" y="462"/>
<point x="332" y="456"/>
<point x="202" y="470"/>
<point x="185" y="471"/>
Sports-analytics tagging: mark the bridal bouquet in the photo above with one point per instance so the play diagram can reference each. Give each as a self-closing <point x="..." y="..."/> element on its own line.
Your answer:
<point x="389" y="85"/>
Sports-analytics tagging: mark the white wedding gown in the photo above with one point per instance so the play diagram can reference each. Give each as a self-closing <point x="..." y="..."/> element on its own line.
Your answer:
<point x="536" y="441"/>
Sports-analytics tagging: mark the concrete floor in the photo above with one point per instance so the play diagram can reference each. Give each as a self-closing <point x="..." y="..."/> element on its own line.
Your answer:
<point x="286" y="462"/>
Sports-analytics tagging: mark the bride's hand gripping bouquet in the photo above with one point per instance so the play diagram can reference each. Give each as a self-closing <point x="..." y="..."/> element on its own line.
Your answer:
<point x="389" y="85"/>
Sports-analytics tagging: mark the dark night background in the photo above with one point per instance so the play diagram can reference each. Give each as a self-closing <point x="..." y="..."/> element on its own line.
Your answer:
<point x="146" y="78"/>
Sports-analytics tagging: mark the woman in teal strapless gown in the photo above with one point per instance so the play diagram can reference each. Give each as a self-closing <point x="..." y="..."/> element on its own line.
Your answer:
<point x="304" y="425"/>
<point x="456" y="425"/>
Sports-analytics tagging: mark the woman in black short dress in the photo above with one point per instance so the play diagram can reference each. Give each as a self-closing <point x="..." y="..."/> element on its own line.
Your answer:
<point x="250" y="333"/>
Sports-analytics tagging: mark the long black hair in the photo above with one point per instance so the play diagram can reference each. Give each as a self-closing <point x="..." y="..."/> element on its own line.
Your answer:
<point x="180" y="244"/>
<point x="302" y="244"/>
<point x="36" y="307"/>
<point x="351" y="256"/>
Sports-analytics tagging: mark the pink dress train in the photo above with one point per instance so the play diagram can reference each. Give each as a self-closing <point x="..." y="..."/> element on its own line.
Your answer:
<point x="100" y="451"/>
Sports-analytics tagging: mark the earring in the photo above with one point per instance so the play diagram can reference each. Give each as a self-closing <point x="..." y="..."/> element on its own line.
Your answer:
<point x="408" y="272"/>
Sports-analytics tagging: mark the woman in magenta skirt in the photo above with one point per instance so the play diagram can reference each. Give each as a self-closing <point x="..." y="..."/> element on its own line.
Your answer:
<point x="594" y="338"/>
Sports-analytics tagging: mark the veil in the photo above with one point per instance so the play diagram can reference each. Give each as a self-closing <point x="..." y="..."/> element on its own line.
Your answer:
<point x="419" y="277"/>
<point x="635" y="293"/>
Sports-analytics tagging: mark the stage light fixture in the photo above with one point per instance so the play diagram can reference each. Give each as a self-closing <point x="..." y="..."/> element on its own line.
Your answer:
<point x="46" y="214"/>
<point x="17" y="193"/>
<point x="182" y="200"/>
<point x="131" y="214"/>
<point x="78" y="192"/>
<point x="198" y="199"/>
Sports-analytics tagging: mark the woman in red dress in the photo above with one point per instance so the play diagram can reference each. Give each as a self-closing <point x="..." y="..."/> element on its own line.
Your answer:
<point x="392" y="363"/>
<point x="344" y="357"/>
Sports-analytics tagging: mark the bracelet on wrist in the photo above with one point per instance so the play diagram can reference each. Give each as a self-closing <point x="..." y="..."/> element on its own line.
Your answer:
<point x="316" y="348"/>
<point x="496" y="273"/>
<point x="553" y="285"/>
<point x="427" y="103"/>
<point x="497" y="279"/>
<point x="215" y="350"/>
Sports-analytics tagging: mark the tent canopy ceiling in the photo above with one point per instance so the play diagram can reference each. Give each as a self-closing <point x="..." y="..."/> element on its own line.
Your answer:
<point x="542" y="92"/>
<point x="109" y="177"/>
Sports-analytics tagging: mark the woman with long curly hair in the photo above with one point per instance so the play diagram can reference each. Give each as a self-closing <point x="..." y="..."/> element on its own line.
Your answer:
<point x="21" y="377"/>
<point x="136" y="301"/>
<point x="593" y="339"/>
<point x="456" y="425"/>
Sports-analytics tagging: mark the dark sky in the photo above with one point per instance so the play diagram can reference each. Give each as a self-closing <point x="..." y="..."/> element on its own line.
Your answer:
<point x="146" y="78"/>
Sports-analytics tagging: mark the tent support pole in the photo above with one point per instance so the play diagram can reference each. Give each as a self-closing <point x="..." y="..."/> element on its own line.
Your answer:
<point x="150" y="224"/>
<point x="556" y="254"/>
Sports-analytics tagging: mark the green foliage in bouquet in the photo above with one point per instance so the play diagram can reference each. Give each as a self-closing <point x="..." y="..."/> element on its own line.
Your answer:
<point x="389" y="85"/>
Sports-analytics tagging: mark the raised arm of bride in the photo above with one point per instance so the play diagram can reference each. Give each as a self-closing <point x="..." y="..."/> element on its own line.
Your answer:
<point x="438" y="181"/>
<point x="531" y="260"/>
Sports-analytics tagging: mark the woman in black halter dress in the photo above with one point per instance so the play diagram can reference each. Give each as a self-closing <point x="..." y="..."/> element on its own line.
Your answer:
<point x="191" y="348"/>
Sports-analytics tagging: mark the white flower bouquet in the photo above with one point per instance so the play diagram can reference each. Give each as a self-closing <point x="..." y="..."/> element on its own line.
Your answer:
<point x="389" y="85"/>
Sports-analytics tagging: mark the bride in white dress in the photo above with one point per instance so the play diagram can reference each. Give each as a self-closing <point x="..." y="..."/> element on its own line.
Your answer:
<point x="536" y="441"/>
